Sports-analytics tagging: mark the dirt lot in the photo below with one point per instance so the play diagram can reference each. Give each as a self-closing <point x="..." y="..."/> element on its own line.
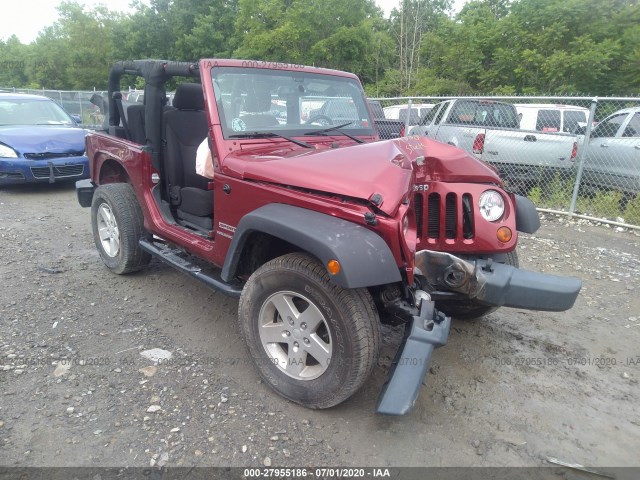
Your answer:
<point x="510" y="390"/>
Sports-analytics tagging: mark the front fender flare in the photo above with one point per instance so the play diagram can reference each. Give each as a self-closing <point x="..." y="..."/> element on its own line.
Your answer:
<point x="527" y="218"/>
<point x="365" y="258"/>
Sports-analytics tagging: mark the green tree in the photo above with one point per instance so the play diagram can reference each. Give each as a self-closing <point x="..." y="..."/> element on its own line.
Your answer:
<point x="212" y="32"/>
<point x="408" y="25"/>
<point x="13" y="62"/>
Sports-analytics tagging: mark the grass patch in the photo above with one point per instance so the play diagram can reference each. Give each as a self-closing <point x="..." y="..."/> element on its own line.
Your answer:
<point x="632" y="211"/>
<point x="557" y="193"/>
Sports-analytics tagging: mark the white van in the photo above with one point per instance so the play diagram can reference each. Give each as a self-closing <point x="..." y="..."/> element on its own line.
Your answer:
<point x="400" y="112"/>
<point x="548" y="117"/>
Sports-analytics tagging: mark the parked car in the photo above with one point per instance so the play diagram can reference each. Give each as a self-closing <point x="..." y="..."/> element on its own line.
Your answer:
<point x="612" y="156"/>
<point x="548" y="117"/>
<point x="322" y="232"/>
<point x="401" y="112"/>
<point x="39" y="141"/>
<point x="490" y="130"/>
<point x="80" y="109"/>
<point x="386" y="128"/>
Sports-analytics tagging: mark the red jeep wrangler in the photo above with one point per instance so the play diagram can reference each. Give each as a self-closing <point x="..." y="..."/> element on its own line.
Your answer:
<point x="321" y="230"/>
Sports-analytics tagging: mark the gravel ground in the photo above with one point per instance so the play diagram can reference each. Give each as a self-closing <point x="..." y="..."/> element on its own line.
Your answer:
<point x="509" y="390"/>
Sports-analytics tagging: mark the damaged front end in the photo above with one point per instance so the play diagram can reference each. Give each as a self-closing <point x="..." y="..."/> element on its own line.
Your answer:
<point x="458" y="259"/>
<point x="496" y="284"/>
<point x="446" y="276"/>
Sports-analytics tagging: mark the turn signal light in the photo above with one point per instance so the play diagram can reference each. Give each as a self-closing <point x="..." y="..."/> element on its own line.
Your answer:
<point x="333" y="266"/>
<point x="504" y="234"/>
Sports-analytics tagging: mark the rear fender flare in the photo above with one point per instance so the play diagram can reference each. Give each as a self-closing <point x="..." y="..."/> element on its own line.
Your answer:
<point x="364" y="257"/>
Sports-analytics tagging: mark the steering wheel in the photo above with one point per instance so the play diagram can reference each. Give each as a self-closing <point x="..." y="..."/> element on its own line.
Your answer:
<point x="321" y="120"/>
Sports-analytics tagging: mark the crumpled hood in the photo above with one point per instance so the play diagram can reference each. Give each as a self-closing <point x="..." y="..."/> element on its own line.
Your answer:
<point x="43" y="138"/>
<point x="380" y="172"/>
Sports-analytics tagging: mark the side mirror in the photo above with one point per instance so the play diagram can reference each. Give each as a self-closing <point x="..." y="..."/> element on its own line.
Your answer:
<point x="77" y="118"/>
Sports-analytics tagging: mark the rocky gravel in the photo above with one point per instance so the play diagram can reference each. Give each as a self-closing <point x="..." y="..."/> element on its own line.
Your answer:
<point x="148" y="370"/>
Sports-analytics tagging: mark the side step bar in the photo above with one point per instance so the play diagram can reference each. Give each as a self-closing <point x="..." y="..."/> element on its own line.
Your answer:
<point x="423" y="334"/>
<point x="171" y="257"/>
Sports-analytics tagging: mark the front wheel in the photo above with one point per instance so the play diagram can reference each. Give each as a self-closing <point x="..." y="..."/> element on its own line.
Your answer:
<point x="470" y="309"/>
<point x="118" y="226"/>
<point x="312" y="341"/>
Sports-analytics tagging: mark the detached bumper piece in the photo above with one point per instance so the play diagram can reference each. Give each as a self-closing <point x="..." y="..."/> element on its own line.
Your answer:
<point x="84" y="190"/>
<point x="508" y="286"/>
<point x="498" y="284"/>
<point x="423" y="334"/>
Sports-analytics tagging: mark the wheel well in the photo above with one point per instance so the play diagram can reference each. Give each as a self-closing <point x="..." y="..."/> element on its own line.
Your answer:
<point x="112" y="172"/>
<point x="260" y="248"/>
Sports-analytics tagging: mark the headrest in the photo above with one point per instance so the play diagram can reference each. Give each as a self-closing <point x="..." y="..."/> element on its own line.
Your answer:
<point x="189" y="97"/>
<point x="258" y="100"/>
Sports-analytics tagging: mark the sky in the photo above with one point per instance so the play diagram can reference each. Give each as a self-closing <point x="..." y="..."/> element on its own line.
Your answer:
<point x="26" y="18"/>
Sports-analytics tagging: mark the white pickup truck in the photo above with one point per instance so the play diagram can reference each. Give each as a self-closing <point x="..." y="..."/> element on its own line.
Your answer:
<point x="491" y="131"/>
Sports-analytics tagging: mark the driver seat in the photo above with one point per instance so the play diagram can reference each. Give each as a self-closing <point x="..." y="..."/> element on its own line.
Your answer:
<point x="256" y="107"/>
<point x="184" y="128"/>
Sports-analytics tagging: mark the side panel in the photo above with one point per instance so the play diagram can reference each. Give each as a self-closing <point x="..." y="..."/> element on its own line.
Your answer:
<point x="459" y="136"/>
<point x="365" y="258"/>
<point x="522" y="147"/>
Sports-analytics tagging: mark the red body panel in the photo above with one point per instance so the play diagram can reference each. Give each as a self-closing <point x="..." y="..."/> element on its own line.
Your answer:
<point x="337" y="177"/>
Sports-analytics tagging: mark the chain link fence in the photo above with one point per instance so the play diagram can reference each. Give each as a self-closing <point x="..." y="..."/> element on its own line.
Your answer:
<point x="574" y="155"/>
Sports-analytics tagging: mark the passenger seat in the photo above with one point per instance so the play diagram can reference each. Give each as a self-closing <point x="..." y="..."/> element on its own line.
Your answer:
<point x="184" y="128"/>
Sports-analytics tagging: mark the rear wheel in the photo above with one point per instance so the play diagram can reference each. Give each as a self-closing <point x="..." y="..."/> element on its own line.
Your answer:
<point x="118" y="226"/>
<point x="312" y="341"/>
<point x="469" y="309"/>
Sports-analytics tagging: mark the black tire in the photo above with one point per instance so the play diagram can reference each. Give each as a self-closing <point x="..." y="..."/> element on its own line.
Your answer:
<point x="122" y="254"/>
<point x="349" y="329"/>
<point x="469" y="309"/>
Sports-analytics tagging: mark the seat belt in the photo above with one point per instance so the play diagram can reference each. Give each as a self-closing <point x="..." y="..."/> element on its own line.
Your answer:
<point x="117" y="96"/>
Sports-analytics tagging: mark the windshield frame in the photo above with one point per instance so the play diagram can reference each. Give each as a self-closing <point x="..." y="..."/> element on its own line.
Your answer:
<point x="362" y="126"/>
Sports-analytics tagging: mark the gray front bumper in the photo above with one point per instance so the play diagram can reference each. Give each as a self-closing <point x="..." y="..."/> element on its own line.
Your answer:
<point x="84" y="190"/>
<point x="423" y="334"/>
<point x="508" y="286"/>
<point x="497" y="284"/>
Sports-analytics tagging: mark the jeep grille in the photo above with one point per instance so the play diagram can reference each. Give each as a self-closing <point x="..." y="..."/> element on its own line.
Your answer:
<point x="455" y="207"/>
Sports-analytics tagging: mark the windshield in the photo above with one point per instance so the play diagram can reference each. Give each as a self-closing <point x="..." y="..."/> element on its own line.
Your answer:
<point x="32" y="112"/>
<point x="252" y="100"/>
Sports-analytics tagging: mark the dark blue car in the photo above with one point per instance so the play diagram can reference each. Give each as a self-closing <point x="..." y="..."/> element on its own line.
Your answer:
<point x="39" y="141"/>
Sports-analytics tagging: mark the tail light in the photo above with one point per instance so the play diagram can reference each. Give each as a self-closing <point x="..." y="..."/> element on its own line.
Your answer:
<point x="574" y="151"/>
<point x="402" y="131"/>
<point x="478" y="143"/>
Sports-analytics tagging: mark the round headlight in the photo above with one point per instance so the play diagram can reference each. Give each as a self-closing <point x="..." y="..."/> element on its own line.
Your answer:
<point x="491" y="205"/>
